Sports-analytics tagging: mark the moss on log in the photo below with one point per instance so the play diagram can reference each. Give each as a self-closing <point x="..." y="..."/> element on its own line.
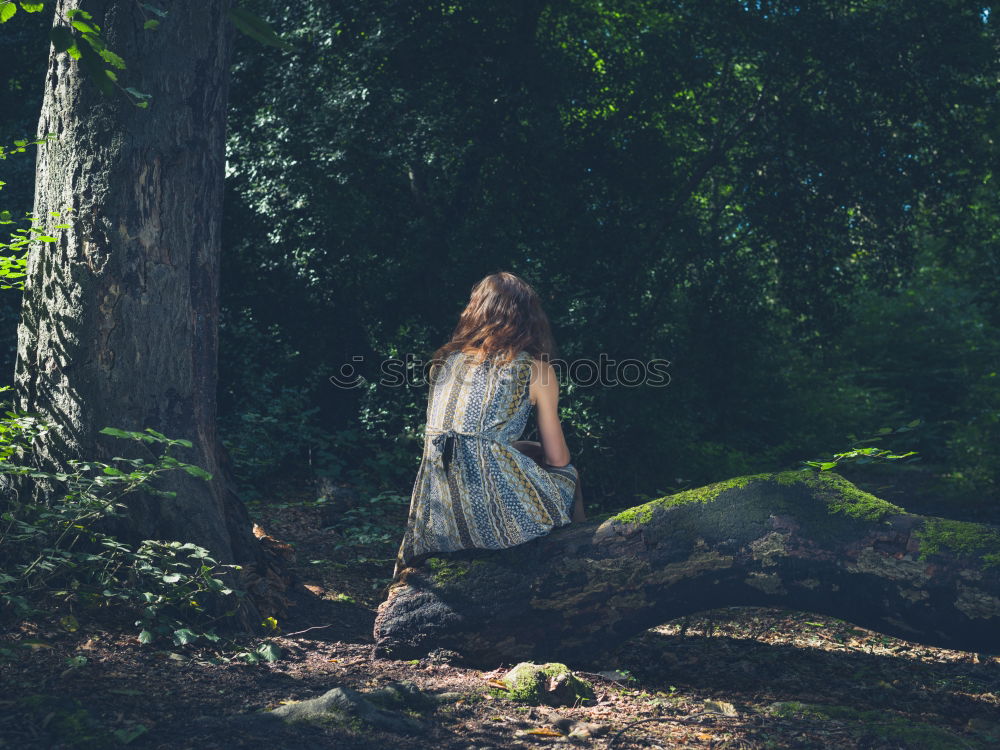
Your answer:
<point x="806" y="541"/>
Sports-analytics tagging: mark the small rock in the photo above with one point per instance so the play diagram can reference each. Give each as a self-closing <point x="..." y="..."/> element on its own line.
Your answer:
<point x="449" y="697"/>
<point x="721" y="707"/>
<point x="552" y="683"/>
<point x="443" y="656"/>
<point x="584" y="730"/>
<point x="375" y="708"/>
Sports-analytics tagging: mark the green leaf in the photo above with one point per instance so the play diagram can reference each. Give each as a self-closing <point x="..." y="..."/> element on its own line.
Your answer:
<point x="112" y="59"/>
<point x="78" y="12"/>
<point x="62" y="38"/>
<point x="184" y="636"/>
<point x="151" y="25"/>
<point x="256" y="28"/>
<point x="7" y="11"/>
<point x="269" y="651"/>
<point x="145" y="637"/>
<point x="171" y="577"/>
<point x="32" y="7"/>
<point x="126" y="735"/>
<point x="94" y="65"/>
<point x="116" y="432"/>
<point x="197" y="471"/>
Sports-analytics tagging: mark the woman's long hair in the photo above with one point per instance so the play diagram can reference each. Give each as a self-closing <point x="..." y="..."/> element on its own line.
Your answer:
<point x="503" y="317"/>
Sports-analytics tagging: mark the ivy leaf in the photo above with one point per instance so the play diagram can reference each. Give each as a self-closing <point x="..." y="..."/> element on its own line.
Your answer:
<point x="145" y="637"/>
<point x="7" y="11"/>
<point x="256" y="28"/>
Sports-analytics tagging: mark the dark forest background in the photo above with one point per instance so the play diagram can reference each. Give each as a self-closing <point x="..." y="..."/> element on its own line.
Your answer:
<point x="794" y="204"/>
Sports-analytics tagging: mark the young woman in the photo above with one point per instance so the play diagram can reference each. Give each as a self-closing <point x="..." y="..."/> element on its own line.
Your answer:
<point x="478" y="485"/>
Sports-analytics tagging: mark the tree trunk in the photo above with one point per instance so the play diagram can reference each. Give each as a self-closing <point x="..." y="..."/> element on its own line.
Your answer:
<point x="119" y="324"/>
<point x="811" y="542"/>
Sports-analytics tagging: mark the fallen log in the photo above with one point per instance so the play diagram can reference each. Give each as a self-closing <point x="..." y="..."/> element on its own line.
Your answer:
<point x="812" y="542"/>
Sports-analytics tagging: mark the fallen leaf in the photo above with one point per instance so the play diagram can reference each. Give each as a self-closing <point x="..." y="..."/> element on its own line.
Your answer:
<point x="35" y="645"/>
<point x="544" y="732"/>
<point x="70" y="623"/>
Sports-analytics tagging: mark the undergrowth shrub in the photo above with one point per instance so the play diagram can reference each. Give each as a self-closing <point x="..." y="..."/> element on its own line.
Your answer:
<point x="57" y="549"/>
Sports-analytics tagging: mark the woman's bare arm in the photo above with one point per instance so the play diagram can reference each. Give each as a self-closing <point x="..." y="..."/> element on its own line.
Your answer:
<point x="544" y="393"/>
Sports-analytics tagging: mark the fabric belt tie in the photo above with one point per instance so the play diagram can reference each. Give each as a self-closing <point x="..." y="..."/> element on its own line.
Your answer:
<point x="441" y="437"/>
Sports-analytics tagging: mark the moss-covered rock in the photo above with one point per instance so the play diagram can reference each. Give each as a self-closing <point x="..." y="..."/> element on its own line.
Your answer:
<point x="841" y="495"/>
<point x="448" y="570"/>
<point x="552" y="684"/>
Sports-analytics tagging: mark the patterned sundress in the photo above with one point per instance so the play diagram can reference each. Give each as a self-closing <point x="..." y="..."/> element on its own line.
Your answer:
<point x="473" y="489"/>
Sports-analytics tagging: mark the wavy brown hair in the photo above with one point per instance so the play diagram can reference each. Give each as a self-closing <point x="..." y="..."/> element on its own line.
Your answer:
<point x="504" y="316"/>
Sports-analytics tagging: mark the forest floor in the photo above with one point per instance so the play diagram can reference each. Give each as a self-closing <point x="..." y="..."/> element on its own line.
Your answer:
<point x="728" y="678"/>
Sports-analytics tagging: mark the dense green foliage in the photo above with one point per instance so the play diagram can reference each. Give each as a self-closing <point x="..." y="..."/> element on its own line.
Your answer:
<point x="792" y="204"/>
<point x="64" y="549"/>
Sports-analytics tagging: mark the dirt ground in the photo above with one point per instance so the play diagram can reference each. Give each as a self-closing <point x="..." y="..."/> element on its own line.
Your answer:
<point x="729" y="678"/>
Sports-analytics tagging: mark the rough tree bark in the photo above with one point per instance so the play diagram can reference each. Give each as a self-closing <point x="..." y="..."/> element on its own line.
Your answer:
<point x="811" y="542"/>
<point x="119" y="324"/>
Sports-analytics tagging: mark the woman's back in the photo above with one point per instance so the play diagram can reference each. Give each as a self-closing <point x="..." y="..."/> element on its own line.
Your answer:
<point x="473" y="488"/>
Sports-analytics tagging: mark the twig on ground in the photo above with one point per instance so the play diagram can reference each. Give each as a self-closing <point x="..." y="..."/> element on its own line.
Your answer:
<point x="300" y="632"/>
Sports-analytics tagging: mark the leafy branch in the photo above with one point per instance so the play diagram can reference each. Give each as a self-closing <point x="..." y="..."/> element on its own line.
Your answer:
<point x="861" y="454"/>
<point x="13" y="266"/>
<point x="79" y="36"/>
